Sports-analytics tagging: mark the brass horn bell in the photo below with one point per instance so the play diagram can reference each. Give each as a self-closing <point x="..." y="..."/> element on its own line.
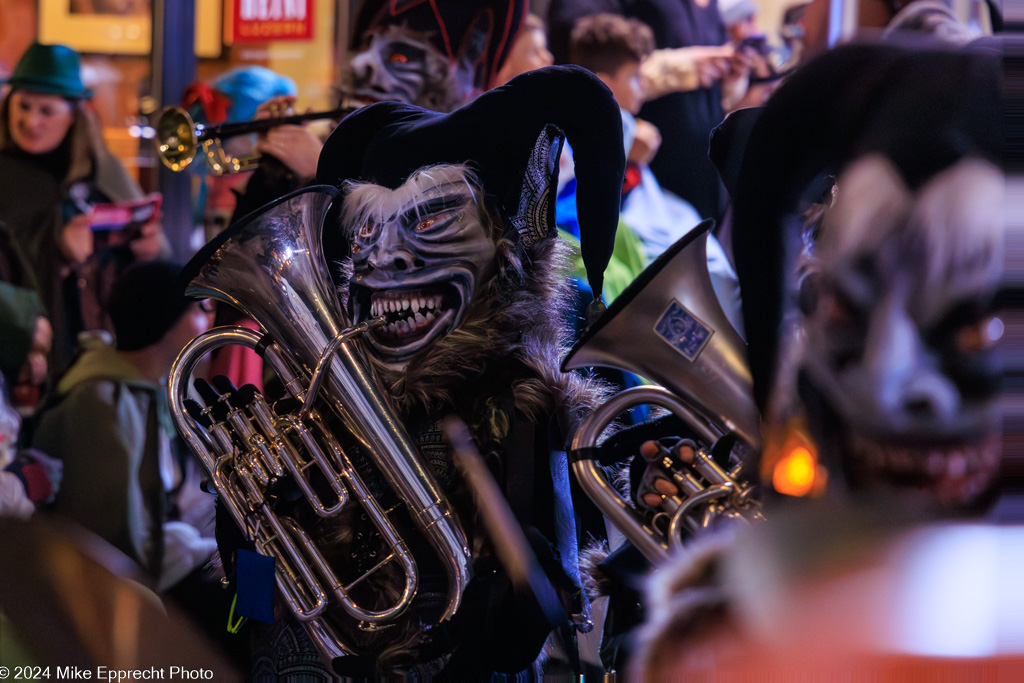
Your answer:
<point x="179" y="138"/>
<point x="668" y="327"/>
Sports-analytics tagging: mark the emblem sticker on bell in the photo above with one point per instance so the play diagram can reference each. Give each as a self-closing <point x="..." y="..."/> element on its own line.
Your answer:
<point x="683" y="330"/>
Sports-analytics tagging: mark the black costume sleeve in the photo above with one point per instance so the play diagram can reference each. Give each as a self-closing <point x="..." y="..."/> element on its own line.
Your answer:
<point x="271" y="180"/>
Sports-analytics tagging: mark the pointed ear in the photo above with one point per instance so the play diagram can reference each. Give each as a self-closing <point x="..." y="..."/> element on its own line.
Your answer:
<point x="470" y="65"/>
<point x="535" y="217"/>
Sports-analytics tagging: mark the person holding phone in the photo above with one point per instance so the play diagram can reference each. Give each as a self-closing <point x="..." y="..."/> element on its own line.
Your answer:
<point x="54" y="166"/>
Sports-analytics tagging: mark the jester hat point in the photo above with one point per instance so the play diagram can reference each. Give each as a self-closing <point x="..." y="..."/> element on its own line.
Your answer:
<point x="511" y="137"/>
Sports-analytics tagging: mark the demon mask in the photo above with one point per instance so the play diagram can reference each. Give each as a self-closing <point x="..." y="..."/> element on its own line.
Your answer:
<point x="901" y="342"/>
<point x="419" y="254"/>
<point x="400" y="64"/>
<point x="894" y="360"/>
<point x="434" y="202"/>
<point x="436" y="55"/>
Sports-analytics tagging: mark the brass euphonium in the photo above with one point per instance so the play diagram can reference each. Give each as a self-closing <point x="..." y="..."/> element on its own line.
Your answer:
<point x="270" y="266"/>
<point x="668" y="327"/>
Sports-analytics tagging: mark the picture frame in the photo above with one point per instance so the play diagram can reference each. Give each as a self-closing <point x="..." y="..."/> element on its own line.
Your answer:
<point x="116" y="33"/>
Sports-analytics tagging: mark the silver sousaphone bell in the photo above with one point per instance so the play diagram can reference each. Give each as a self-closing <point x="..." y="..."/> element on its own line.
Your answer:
<point x="669" y="328"/>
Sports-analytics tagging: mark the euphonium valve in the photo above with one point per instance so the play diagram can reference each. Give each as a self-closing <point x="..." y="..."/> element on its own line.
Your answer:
<point x="270" y="267"/>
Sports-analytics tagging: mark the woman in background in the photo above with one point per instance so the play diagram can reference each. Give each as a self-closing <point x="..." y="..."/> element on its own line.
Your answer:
<point x="54" y="166"/>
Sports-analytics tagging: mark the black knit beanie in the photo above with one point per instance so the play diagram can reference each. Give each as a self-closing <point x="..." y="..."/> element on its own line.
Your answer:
<point x="145" y="302"/>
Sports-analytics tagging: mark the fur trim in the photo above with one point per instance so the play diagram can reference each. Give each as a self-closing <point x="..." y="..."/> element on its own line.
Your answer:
<point x="515" y="335"/>
<point x="596" y="583"/>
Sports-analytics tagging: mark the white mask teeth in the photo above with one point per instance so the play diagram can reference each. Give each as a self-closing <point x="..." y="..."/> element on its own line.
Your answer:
<point x="405" y="312"/>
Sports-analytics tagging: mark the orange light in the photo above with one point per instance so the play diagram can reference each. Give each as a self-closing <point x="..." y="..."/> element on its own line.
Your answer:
<point x="794" y="473"/>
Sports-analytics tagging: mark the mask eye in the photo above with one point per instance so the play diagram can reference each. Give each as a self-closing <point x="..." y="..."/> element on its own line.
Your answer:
<point x="978" y="336"/>
<point x="436" y="220"/>
<point x="367" y="229"/>
<point x="404" y="55"/>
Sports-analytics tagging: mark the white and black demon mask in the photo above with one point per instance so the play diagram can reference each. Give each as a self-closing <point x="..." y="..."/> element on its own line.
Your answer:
<point x="419" y="254"/>
<point x="436" y="55"/>
<point x="901" y="342"/>
<point x="893" y="356"/>
<point x="428" y="196"/>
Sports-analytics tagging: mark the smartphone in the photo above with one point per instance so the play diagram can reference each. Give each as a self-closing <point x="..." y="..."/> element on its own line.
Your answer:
<point x="125" y="215"/>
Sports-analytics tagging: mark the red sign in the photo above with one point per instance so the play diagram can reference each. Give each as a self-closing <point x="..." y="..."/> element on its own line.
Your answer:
<point x="262" y="20"/>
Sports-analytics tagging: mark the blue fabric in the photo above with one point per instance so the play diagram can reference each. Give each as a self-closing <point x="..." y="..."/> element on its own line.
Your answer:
<point x="565" y="210"/>
<point x="250" y="86"/>
<point x="255" y="574"/>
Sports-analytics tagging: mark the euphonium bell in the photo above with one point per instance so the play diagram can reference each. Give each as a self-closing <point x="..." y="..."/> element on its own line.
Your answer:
<point x="270" y="266"/>
<point x="668" y="327"/>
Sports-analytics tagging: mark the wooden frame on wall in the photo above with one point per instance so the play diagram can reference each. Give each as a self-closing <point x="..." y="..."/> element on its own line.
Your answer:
<point x="122" y="34"/>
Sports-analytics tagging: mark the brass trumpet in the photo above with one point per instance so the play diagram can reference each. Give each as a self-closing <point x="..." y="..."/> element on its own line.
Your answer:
<point x="179" y="139"/>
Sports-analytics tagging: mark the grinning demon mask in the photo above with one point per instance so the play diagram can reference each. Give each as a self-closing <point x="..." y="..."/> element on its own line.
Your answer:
<point x="900" y="343"/>
<point x="436" y="55"/>
<point x="397" y="63"/>
<point x="893" y="360"/>
<point x="417" y="183"/>
<point x="419" y="254"/>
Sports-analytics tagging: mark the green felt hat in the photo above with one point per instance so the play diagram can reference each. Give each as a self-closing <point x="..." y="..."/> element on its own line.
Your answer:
<point x="50" y="69"/>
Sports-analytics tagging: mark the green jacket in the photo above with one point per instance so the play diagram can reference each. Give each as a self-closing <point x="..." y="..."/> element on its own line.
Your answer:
<point x="104" y="424"/>
<point x="19" y="308"/>
<point x="20" y="305"/>
<point x="627" y="261"/>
